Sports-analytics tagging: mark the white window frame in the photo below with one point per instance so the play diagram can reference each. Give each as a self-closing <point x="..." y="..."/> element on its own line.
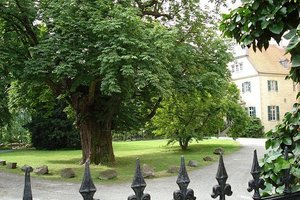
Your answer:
<point x="246" y="86"/>
<point x="272" y="85"/>
<point x="236" y="67"/>
<point x="252" y="111"/>
<point x="273" y="113"/>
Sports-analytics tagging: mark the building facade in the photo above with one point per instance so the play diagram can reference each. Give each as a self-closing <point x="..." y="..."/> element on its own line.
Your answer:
<point x="261" y="78"/>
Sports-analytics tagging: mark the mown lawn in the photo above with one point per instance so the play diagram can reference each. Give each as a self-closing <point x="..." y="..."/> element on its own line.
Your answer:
<point x="154" y="153"/>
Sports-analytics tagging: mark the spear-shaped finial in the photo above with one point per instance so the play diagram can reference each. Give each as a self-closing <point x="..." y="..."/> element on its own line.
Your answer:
<point x="138" y="185"/>
<point x="183" y="181"/>
<point x="87" y="189"/>
<point x="223" y="188"/>
<point x="256" y="183"/>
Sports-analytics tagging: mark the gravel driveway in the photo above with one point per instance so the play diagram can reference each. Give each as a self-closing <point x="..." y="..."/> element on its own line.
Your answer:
<point x="238" y="167"/>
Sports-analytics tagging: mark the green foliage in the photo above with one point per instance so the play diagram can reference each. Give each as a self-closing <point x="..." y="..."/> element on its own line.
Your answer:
<point x="51" y="129"/>
<point x="14" y="132"/>
<point x="255" y="23"/>
<point x="112" y="61"/>
<point x="253" y="129"/>
<point x="284" y="135"/>
<point x="199" y="111"/>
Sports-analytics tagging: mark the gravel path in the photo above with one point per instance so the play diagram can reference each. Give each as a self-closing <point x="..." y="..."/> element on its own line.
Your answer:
<point x="238" y="167"/>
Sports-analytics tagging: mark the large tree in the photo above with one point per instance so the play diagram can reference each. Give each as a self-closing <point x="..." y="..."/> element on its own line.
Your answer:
<point x="112" y="61"/>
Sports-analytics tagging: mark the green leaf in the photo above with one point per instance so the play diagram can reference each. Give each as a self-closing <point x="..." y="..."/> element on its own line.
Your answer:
<point x="283" y="10"/>
<point x="280" y="189"/>
<point x="276" y="27"/>
<point x="238" y="18"/>
<point x="295" y="60"/>
<point x="295" y="40"/>
<point x="287" y="140"/>
<point x="273" y="155"/>
<point x="274" y="178"/>
<point x="290" y="34"/>
<point x="268" y="144"/>
<point x="264" y="23"/>
<point x="296" y="150"/>
<point x="276" y="143"/>
<point x="295" y="172"/>
<point x="268" y="167"/>
<point x="296" y="138"/>
<point x="281" y="164"/>
<point x="295" y="188"/>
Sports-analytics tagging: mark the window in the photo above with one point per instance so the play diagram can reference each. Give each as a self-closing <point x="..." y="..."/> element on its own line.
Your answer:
<point x="252" y="111"/>
<point x="272" y="85"/>
<point x="246" y="87"/>
<point x="236" y="67"/>
<point x="284" y="63"/>
<point x="273" y="113"/>
<point x="232" y="68"/>
<point x="241" y="66"/>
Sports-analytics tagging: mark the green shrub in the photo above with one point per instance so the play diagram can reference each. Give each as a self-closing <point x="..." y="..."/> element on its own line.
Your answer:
<point x="286" y="134"/>
<point x="51" y="129"/>
<point x="253" y="129"/>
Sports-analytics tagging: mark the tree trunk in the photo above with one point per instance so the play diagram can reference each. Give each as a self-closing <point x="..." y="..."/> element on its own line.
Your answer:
<point x="94" y="119"/>
<point x="96" y="141"/>
<point x="184" y="143"/>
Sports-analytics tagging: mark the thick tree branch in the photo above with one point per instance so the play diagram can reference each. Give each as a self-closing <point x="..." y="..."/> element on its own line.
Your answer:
<point x="156" y="14"/>
<point x="27" y="24"/>
<point x="154" y="109"/>
<point x="151" y="8"/>
<point x="92" y="89"/>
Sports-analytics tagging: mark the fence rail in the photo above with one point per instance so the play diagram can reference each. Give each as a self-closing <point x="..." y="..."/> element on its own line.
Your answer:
<point x="221" y="190"/>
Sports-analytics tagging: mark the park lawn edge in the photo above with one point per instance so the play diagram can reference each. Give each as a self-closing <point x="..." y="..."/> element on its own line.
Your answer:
<point x="152" y="152"/>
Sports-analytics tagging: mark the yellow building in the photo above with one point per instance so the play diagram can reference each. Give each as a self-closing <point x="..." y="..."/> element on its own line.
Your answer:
<point x="261" y="78"/>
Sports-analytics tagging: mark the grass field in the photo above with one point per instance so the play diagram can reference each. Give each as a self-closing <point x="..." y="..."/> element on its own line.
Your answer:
<point x="154" y="153"/>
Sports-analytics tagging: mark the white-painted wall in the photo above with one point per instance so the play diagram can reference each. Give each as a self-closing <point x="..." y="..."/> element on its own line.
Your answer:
<point x="248" y="73"/>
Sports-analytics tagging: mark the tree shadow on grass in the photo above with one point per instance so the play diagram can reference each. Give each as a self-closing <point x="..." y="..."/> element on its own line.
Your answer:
<point x="66" y="161"/>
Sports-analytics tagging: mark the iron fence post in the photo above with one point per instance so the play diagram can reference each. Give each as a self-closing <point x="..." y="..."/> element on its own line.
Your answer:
<point x="87" y="188"/>
<point x="27" y="194"/>
<point x="183" y="181"/>
<point x="256" y="183"/>
<point x="138" y="185"/>
<point x="287" y="177"/>
<point x="223" y="188"/>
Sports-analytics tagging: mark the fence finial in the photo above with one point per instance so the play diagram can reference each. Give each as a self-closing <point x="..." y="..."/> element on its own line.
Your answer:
<point x="287" y="177"/>
<point x="87" y="189"/>
<point x="223" y="188"/>
<point x="256" y="183"/>
<point x="183" y="181"/>
<point x="138" y="185"/>
<point x="27" y="194"/>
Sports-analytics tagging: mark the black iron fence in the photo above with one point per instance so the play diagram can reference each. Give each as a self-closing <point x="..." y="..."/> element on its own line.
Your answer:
<point x="221" y="190"/>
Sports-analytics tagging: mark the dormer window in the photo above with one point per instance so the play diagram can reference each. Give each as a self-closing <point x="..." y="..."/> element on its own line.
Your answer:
<point x="236" y="67"/>
<point x="284" y="62"/>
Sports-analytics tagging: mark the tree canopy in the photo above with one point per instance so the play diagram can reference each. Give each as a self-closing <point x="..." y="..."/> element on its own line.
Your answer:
<point x="112" y="61"/>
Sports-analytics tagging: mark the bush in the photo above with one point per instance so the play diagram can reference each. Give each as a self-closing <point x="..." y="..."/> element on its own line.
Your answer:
<point x="253" y="129"/>
<point x="52" y="129"/>
<point x="274" y="165"/>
